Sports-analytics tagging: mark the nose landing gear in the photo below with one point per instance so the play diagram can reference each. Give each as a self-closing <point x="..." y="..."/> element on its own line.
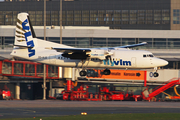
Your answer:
<point x="155" y="73"/>
<point x="107" y="72"/>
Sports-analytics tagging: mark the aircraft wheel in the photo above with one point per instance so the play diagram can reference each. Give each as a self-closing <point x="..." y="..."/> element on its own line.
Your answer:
<point x="107" y="72"/>
<point x="156" y="74"/>
<point x="82" y="73"/>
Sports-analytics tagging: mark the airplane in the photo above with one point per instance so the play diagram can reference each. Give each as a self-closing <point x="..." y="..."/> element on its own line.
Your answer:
<point x="27" y="46"/>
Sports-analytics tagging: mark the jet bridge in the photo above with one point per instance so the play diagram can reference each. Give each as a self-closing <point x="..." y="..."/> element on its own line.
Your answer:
<point x="27" y="69"/>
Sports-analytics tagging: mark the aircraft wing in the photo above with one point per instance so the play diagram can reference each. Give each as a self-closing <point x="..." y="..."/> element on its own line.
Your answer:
<point x="71" y="50"/>
<point x="74" y="53"/>
<point x="134" y="45"/>
<point x="83" y="53"/>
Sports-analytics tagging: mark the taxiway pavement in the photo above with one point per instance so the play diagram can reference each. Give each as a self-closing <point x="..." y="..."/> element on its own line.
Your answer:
<point x="43" y="108"/>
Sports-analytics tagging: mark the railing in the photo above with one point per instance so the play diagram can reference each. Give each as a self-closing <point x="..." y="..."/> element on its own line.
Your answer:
<point x="164" y="87"/>
<point x="164" y="84"/>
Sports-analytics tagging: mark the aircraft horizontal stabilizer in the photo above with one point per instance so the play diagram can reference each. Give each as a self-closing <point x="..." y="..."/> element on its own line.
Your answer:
<point x="21" y="46"/>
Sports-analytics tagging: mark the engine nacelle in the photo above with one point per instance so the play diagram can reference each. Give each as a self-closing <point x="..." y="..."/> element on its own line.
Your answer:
<point x="96" y="53"/>
<point x="76" y="55"/>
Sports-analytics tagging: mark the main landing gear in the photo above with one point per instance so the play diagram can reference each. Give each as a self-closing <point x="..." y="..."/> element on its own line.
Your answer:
<point x="105" y="72"/>
<point x="82" y="73"/>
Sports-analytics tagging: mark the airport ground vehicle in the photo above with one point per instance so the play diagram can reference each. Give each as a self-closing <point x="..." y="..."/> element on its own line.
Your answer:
<point x="5" y="93"/>
<point x="82" y="94"/>
<point x="105" y="94"/>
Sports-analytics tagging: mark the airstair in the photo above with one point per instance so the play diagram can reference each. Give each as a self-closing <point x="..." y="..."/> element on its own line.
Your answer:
<point x="148" y="96"/>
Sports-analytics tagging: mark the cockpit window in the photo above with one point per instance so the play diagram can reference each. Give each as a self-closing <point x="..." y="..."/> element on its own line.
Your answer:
<point x="149" y="55"/>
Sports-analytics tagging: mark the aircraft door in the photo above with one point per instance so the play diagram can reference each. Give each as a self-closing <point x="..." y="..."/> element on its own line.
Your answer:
<point x="52" y="59"/>
<point x="133" y="62"/>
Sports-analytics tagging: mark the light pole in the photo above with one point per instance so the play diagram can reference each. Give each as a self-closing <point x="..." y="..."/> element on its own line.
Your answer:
<point x="60" y="21"/>
<point x="44" y="80"/>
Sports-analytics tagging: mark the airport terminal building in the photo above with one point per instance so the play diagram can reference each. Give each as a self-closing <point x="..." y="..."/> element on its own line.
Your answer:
<point x="100" y="23"/>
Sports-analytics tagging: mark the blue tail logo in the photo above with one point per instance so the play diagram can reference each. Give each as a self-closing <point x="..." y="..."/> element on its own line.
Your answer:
<point x="27" y="34"/>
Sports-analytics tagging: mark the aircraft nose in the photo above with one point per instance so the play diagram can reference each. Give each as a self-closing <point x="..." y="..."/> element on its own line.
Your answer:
<point x="163" y="62"/>
<point x="159" y="62"/>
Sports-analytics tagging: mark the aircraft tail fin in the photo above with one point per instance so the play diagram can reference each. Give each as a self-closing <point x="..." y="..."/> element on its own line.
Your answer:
<point x="25" y="37"/>
<point x="24" y="31"/>
<point x="26" y="44"/>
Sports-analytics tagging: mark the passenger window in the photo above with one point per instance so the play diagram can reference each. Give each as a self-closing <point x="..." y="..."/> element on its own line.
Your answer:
<point x="144" y="55"/>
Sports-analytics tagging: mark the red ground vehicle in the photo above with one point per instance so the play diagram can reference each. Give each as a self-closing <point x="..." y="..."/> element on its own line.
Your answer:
<point x="80" y="94"/>
<point x="5" y="93"/>
<point x="111" y="95"/>
<point x="132" y="97"/>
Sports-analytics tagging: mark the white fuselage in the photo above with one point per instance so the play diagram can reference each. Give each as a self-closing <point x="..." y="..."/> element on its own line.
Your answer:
<point x="120" y="58"/>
